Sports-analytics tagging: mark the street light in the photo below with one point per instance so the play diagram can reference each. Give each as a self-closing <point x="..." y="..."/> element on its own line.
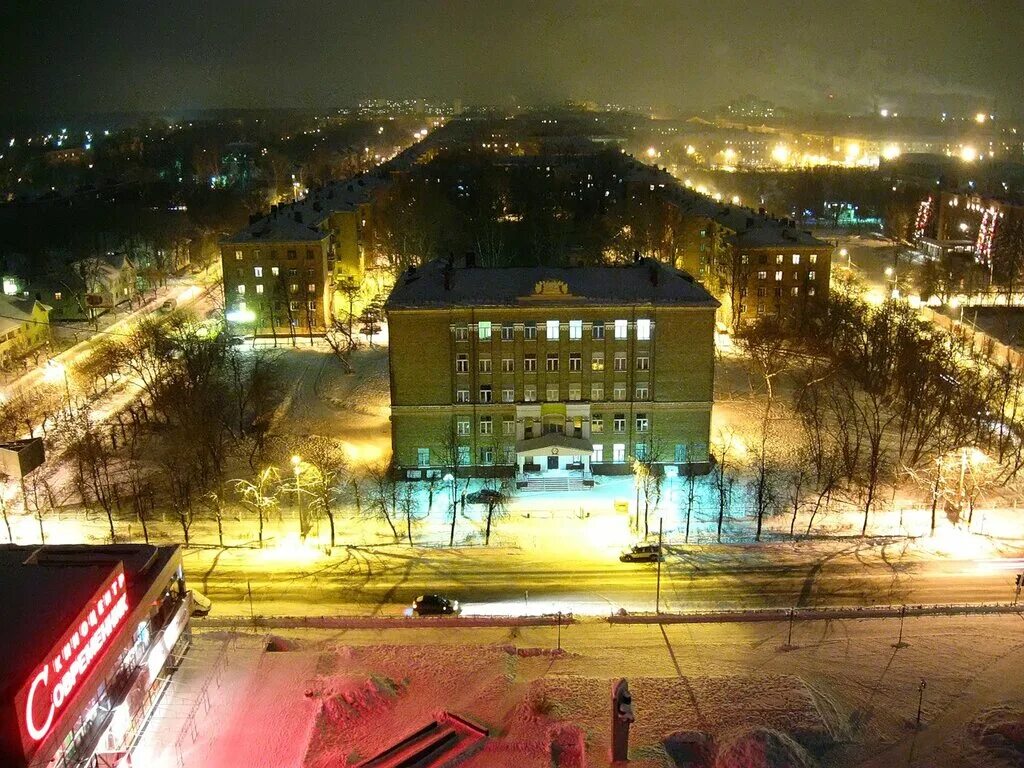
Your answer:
<point x="297" y="470"/>
<point x="53" y="372"/>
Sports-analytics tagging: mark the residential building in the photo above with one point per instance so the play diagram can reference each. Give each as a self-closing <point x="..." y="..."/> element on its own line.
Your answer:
<point x="24" y="327"/>
<point x="546" y="371"/>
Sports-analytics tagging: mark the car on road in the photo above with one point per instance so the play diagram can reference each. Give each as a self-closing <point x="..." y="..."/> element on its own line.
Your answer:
<point x="642" y="553"/>
<point x="484" y="496"/>
<point x="435" y="605"/>
<point x="169" y="305"/>
<point x="236" y="341"/>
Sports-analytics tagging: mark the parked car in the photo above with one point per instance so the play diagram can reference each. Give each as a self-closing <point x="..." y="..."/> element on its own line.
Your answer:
<point x="169" y="305"/>
<point x="642" y="553"/>
<point x="201" y="604"/>
<point x="484" y="496"/>
<point x="236" y="341"/>
<point x="435" y="605"/>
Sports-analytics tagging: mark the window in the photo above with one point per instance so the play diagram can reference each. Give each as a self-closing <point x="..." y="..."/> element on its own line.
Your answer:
<point x="619" y="453"/>
<point x="293" y="306"/>
<point x="309" y="253"/>
<point x="486" y="425"/>
<point x="811" y="275"/>
<point x="575" y="392"/>
<point x="462" y="427"/>
<point x="58" y="296"/>
<point x="643" y="363"/>
<point x="423" y="457"/>
<point x="762" y="274"/>
<point x="484" y="364"/>
<point x="275" y="271"/>
<point x="293" y="288"/>
<point x="596" y="425"/>
<point x="259" y="288"/>
<point x="794" y="291"/>
<point x="530" y="363"/>
<point x="551" y="329"/>
<point x="238" y="255"/>
<point x="619" y="422"/>
<point x="597" y="361"/>
<point x="779" y="259"/>
<point x="552" y="393"/>
<point x="642" y="423"/>
<point x="463" y="455"/>
<point x="760" y="308"/>
<point x="530" y="331"/>
<point x="486" y="455"/>
<point x="508" y="453"/>
<point x="640" y="451"/>
<point x="680" y="453"/>
<point x="597" y="391"/>
<point x="552" y="362"/>
<point x="813" y="258"/>
<point x="619" y="392"/>
<point x="311" y="288"/>
<point x="762" y="291"/>
<point x="744" y="259"/>
<point x="292" y="254"/>
<point x="508" y="426"/>
<point x="484" y="330"/>
<point x="642" y="392"/>
<point x="508" y="364"/>
<point x="621" y="329"/>
<point x="461" y="333"/>
<point x="597" y="455"/>
<point x="293" y="272"/>
<point x="575" y="361"/>
<point x="462" y="395"/>
<point x="796" y="259"/>
<point x="575" y="330"/>
<point x="778" y="275"/>
<point x="530" y="393"/>
<point x="485" y="393"/>
<point x="778" y="291"/>
<point x="643" y="329"/>
<point x="620" y="361"/>
<point x="241" y="290"/>
<point x="508" y="395"/>
<point x="597" y="330"/>
<point x="257" y="271"/>
<point x="462" y="363"/>
<point x="507" y="331"/>
<point x="310" y="273"/>
<point x="810" y="290"/>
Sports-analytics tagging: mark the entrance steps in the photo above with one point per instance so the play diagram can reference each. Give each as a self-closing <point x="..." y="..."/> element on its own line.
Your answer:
<point x="440" y="744"/>
<point x="553" y="484"/>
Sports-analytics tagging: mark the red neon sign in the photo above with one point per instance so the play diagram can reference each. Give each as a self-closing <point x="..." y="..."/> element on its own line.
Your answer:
<point x="43" y="698"/>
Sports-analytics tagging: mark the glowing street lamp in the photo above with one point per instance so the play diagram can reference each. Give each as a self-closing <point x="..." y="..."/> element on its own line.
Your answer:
<point x="968" y="154"/>
<point x="780" y="154"/>
<point x="53" y="372"/>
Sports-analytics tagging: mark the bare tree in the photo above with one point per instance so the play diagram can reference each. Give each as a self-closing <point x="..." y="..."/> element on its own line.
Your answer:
<point x="261" y="495"/>
<point x="326" y="460"/>
<point x="384" y="493"/>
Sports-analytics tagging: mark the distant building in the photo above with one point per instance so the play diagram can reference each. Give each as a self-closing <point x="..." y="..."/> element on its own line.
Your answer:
<point x="85" y="288"/>
<point x="281" y="272"/>
<point x="24" y="327"/>
<point x="551" y="373"/>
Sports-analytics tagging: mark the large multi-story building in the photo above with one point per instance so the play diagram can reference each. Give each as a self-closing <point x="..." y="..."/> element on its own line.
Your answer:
<point x="281" y="272"/>
<point x="544" y="370"/>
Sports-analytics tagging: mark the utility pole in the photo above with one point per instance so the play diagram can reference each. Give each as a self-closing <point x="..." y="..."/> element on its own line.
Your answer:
<point x="899" y="641"/>
<point x="920" y="700"/>
<point x="657" y="594"/>
<point x="789" y="638"/>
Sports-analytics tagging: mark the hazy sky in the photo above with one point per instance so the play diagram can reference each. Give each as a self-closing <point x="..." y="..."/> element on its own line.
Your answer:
<point x="101" y="55"/>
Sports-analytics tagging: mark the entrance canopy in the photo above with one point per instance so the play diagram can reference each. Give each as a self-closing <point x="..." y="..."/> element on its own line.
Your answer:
<point x="554" y="444"/>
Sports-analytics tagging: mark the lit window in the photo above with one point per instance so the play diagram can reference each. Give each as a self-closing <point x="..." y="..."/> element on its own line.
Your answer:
<point x="810" y="290"/>
<point x="529" y="393"/>
<point x="779" y="259"/>
<point x="596" y="425"/>
<point x="813" y="258"/>
<point x="257" y="271"/>
<point x="423" y="457"/>
<point x="744" y="259"/>
<point x="778" y="275"/>
<point x="294" y="287"/>
<point x="643" y="329"/>
<point x="762" y="274"/>
<point x="794" y="291"/>
<point x="575" y="330"/>
<point x="484" y="330"/>
<point x="811" y="275"/>
<point x="238" y="255"/>
<point x="259" y="288"/>
<point x="796" y="259"/>
<point x="241" y="290"/>
<point x="311" y="288"/>
<point x="597" y="455"/>
<point x="58" y="296"/>
<point x="551" y="329"/>
<point x="619" y="453"/>
<point x="620" y="329"/>
<point x="597" y="361"/>
<point x="463" y="455"/>
<point x="275" y="271"/>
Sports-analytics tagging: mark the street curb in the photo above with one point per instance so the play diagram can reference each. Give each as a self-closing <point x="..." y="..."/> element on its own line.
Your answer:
<point x="382" y="622"/>
<point x="814" y="614"/>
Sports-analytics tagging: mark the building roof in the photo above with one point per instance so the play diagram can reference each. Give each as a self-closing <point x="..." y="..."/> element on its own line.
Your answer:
<point x="643" y="282"/>
<point x="15" y="311"/>
<point x="44" y="588"/>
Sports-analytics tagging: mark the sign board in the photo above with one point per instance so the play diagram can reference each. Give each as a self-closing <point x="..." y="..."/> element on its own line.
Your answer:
<point x="43" y="699"/>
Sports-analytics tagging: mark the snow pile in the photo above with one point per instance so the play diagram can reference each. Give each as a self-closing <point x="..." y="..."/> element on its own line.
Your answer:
<point x="999" y="734"/>
<point x="568" y="747"/>
<point x="689" y="748"/>
<point x="761" y="748"/>
<point x="277" y="644"/>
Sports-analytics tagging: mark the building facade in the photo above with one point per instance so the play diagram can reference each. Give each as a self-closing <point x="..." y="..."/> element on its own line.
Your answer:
<point x="94" y="634"/>
<point x="778" y="272"/>
<point x="24" y="327"/>
<point x="541" y="371"/>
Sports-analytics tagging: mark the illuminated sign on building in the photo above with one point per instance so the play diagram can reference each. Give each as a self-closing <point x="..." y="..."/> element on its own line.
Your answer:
<point x="51" y="686"/>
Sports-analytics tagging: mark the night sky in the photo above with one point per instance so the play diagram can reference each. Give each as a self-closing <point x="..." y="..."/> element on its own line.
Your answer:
<point x="97" y="56"/>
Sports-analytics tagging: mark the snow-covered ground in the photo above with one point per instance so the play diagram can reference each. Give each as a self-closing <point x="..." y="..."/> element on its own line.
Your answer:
<point x="840" y="694"/>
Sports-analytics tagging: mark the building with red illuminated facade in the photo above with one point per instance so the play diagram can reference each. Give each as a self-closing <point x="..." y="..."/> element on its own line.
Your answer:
<point x="91" y="637"/>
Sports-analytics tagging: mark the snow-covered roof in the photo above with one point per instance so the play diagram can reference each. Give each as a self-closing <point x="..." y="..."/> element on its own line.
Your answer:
<point x="643" y="282"/>
<point x="15" y="311"/>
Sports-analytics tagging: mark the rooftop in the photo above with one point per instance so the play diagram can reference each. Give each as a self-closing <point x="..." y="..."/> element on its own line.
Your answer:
<point x="646" y="281"/>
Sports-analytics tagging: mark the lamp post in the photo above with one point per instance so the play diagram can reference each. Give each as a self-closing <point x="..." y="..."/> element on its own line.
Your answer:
<point x="53" y="373"/>
<point x="297" y="470"/>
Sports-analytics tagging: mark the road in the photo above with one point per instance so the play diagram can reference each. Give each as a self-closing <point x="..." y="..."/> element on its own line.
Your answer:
<point x="384" y="580"/>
